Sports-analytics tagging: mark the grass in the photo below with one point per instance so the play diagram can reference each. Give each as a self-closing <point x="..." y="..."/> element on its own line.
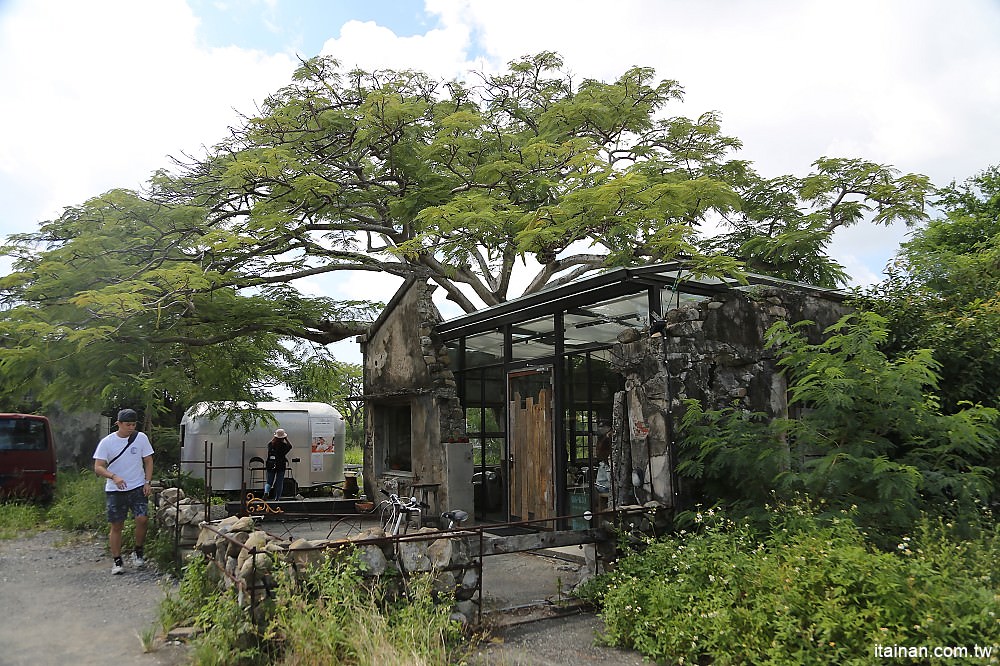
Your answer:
<point x="78" y="504"/>
<point x="354" y="455"/>
<point x="331" y="614"/>
<point x="19" y="517"/>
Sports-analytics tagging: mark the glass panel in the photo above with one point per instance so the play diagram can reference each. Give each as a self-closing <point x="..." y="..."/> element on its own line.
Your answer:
<point x="601" y="323"/>
<point x="671" y="300"/>
<point x="23" y="435"/>
<point x="483" y="349"/>
<point x="488" y="452"/>
<point x="533" y="339"/>
<point x="588" y="397"/>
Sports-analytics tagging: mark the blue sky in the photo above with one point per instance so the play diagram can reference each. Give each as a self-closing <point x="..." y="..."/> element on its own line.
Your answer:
<point x="100" y="93"/>
<point x="303" y="25"/>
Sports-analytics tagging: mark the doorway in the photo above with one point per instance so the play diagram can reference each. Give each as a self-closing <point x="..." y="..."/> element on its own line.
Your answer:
<point x="530" y="445"/>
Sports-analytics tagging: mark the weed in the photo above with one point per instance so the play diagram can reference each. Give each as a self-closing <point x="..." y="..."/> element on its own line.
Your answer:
<point x="19" y="517"/>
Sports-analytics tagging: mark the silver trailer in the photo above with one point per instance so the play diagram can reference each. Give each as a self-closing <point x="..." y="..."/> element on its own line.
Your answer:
<point x="315" y="429"/>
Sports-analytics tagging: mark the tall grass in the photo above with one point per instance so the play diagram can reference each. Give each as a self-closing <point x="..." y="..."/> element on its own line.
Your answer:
<point x="79" y="503"/>
<point x="18" y="517"/>
<point x="329" y="615"/>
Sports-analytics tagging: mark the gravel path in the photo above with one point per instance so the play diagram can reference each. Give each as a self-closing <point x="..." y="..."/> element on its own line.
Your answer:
<point x="60" y="604"/>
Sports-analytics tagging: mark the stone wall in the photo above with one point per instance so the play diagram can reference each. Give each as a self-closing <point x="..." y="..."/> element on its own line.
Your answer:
<point x="250" y="557"/>
<point x="397" y="371"/>
<point x="713" y="351"/>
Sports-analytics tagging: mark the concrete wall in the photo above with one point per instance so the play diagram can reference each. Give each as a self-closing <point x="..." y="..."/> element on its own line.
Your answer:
<point x="406" y="363"/>
<point x="76" y="437"/>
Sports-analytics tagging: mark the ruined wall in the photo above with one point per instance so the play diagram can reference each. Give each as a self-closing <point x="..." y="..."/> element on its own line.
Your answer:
<point x="76" y="436"/>
<point x="397" y="371"/>
<point x="713" y="351"/>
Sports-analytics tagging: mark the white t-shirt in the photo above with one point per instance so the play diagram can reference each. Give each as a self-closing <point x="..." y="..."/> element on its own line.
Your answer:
<point x="129" y="465"/>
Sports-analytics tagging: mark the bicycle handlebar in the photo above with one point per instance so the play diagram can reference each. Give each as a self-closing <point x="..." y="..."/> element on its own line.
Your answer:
<point x="410" y="503"/>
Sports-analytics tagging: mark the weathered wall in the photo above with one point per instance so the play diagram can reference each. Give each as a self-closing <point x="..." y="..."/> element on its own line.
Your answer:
<point x="714" y="351"/>
<point x="76" y="436"/>
<point x="397" y="371"/>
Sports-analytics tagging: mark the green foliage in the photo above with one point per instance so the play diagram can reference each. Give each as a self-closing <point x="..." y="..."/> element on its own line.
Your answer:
<point x="80" y="503"/>
<point x="868" y="433"/>
<point x="195" y="591"/>
<point x="785" y="224"/>
<point x="345" y="619"/>
<point x="328" y="614"/>
<point x="942" y="292"/>
<point x="354" y="455"/>
<point x="188" y="292"/>
<point x="321" y="378"/>
<point x="127" y="285"/>
<point x="805" y="591"/>
<point x="18" y="517"/>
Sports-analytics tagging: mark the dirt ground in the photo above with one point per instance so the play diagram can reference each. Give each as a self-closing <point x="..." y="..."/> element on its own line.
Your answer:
<point x="62" y="605"/>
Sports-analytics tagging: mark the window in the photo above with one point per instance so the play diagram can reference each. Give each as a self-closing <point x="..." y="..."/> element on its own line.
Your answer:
<point x="23" y="435"/>
<point x="396" y="437"/>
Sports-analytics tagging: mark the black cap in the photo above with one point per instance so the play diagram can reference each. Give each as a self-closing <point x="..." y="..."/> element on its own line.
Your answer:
<point x="127" y="416"/>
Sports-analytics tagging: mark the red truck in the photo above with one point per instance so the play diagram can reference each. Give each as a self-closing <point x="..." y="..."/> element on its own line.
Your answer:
<point x="27" y="457"/>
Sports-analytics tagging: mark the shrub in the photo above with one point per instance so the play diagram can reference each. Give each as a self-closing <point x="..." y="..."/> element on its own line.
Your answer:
<point x="810" y="591"/>
<point x="869" y="433"/>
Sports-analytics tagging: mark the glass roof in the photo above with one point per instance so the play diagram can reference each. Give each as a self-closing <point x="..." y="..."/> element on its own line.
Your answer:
<point x="598" y="307"/>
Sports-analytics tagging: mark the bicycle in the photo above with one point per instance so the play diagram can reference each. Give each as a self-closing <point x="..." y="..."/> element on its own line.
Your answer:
<point x="396" y="513"/>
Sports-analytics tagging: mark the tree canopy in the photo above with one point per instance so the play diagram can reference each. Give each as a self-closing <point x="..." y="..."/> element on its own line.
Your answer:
<point x="943" y="291"/>
<point x="192" y="289"/>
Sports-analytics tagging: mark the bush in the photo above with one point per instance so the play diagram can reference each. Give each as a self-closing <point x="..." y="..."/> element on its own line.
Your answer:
<point x="870" y="434"/>
<point x="810" y="592"/>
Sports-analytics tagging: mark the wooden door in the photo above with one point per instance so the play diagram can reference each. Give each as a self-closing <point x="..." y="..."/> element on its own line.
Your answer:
<point x="531" y="451"/>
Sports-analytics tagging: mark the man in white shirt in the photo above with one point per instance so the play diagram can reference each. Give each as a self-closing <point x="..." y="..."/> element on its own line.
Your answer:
<point x="125" y="459"/>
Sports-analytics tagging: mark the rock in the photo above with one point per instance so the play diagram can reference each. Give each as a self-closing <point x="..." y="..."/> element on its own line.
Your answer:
<point x="448" y="552"/>
<point x="244" y="524"/>
<point x="172" y="495"/>
<point x="255" y="541"/>
<point x="236" y="545"/>
<point x="373" y="560"/>
<point x="412" y="556"/>
<point x="305" y="553"/>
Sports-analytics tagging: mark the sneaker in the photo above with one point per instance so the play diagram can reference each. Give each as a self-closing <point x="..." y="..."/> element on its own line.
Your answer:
<point x="138" y="561"/>
<point x="117" y="570"/>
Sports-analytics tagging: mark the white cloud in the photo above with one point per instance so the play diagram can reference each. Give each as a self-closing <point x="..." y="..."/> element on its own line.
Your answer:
<point x="103" y="91"/>
<point x="440" y="52"/>
<point x="99" y="93"/>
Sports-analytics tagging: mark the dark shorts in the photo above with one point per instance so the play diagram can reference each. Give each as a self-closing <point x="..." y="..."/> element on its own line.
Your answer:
<point x="119" y="504"/>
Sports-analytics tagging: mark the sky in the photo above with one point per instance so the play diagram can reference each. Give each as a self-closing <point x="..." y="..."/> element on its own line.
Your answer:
<point x="100" y="94"/>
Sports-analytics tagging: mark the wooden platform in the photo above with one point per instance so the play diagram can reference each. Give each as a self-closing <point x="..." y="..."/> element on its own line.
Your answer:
<point x="320" y="506"/>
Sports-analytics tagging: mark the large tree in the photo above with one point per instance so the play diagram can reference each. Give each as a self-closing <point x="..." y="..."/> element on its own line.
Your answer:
<point x="392" y="171"/>
<point x="943" y="292"/>
<point x="190" y="289"/>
